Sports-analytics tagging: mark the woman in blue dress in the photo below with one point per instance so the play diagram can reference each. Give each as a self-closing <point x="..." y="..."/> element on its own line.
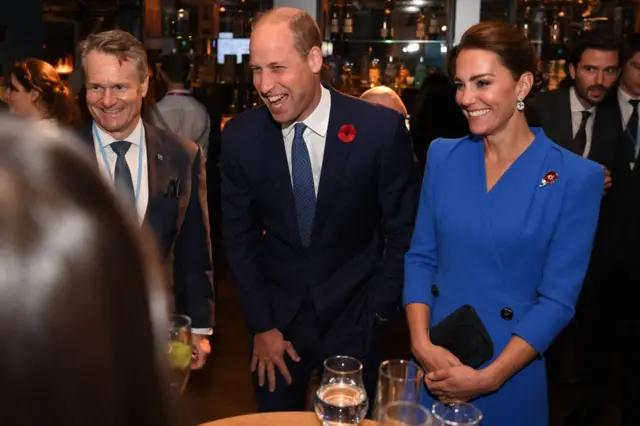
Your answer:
<point x="505" y="224"/>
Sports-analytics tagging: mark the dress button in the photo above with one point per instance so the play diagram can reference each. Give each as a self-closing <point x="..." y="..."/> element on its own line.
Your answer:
<point x="434" y="290"/>
<point x="506" y="314"/>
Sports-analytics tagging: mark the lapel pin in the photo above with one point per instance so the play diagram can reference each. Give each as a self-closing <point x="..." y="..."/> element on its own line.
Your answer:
<point x="160" y="157"/>
<point x="549" y="178"/>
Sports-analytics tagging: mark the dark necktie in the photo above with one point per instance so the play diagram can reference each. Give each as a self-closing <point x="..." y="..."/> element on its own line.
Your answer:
<point x="632" y="125"/>
<point x="122" y="176"/>
<point x="303" y="189"/>
<point x="580" y="139"/>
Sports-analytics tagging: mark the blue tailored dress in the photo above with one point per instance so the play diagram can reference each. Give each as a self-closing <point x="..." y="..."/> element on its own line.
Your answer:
<point x="517" y="254"/>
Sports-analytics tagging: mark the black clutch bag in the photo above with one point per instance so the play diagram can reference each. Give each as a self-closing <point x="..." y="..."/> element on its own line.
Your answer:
<point x="463" y="334"/>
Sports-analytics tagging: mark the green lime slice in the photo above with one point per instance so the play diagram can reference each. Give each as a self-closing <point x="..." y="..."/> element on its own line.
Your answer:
<point x="179" y="355"/>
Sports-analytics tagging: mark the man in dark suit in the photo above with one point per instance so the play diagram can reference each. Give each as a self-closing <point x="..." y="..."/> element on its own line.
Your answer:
<point x="578" y="118"/>
<point x="159" y="176"/>
<point x="623" y="103"/>
<point x="319" y="192"/>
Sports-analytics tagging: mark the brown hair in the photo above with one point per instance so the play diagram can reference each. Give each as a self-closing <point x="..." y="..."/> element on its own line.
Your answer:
<point x="83" y="310"/>
<point x="119" y="43"/>
<point x="304" y="29"/>
<point x="55" y="98"/>
<point x="512" y="47"/>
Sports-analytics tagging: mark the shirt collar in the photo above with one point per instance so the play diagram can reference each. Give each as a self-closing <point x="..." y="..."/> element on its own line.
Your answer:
<point x="318" y="120"/>
<point x="576" y="105"/>
<point x="180" y="92"/>
<point x="624" y="96"/>
<point x="134" y="137"/>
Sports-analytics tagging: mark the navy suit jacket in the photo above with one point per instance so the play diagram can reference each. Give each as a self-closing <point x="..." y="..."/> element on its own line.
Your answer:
<point x="180" y="222"/>
<point x="366" y="204"/>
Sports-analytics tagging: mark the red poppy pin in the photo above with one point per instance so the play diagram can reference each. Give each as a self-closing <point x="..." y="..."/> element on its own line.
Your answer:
<point x="548" y="178"/>
<point x="347" y="133"/>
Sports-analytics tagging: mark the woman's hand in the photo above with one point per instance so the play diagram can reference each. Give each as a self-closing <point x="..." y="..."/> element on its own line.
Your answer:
<point x="434" y="358"/>
<point x="460" y="383"/>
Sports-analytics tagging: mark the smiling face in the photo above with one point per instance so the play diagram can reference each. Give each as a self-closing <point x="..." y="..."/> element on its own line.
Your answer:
<point x="287" y="83"/>
<point x="487" y="92"/>
<point x="114" y="93"/>
<point x="594" y="75"/>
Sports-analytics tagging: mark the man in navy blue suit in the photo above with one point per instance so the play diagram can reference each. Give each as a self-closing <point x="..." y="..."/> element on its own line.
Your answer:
<point x="319" y="192"/>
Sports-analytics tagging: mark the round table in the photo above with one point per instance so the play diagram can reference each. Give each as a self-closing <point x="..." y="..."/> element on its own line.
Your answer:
<point x="297" y="418"/>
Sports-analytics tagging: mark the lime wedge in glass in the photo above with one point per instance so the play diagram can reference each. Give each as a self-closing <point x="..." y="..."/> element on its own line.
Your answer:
<point x="179" y="355"/>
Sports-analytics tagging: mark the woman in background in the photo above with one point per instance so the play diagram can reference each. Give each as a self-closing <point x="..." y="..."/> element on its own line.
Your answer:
<point x="36" y="91"/>
<point x="83" y="313"/>
<point x="505" y="224"/>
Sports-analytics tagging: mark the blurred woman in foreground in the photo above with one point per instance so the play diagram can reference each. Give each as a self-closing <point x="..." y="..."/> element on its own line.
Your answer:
<point x="83" y="312"/>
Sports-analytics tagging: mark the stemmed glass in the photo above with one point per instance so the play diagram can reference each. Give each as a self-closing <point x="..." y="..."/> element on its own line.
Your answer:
<point x="398" y="380"/>
<point x="404" y="413"/>
<point x="180" y="352"/>
<point x="341" y="398"/>
<point x="456" y="413"/>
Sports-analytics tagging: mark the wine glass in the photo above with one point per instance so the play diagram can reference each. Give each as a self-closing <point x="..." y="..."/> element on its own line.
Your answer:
<point x="180" y="352"/>
<point x="404" y="413"/>
<point x="456" y="413"/>
<point x="341" y="398"/>
<point x="398" y="380"/>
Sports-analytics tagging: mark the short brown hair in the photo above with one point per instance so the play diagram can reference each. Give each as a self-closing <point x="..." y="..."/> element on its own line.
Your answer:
<point x="512" y="47"/>
<point x="304" y="29"/>
<point x="119" y="43"/>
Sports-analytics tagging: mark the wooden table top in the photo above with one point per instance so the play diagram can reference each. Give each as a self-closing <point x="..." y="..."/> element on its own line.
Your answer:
<point x="298" y="418"/>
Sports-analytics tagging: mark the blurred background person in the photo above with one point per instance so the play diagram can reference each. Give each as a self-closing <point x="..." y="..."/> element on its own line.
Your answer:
<point x="179" y="112"/>
<point x="385" y="96"/>
<point x="83" y="307"/>
<point x="35" y="90"/>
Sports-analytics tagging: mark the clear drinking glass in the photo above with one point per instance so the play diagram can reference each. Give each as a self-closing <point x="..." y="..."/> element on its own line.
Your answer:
<point x="180" y="352"/>
<point x="398" y="380"/>
<point x="456" y="414"/>
<point x="404" y="413"/>
<point x="341" y="398"/>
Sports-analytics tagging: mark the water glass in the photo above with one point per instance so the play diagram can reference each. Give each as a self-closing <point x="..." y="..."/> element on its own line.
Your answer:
<point x="456" y="414"/>
<point x="180" y="352"/>
<point x="341" y="398"/>
<point x="403" y="413"/>
<point x="398" y="380"/>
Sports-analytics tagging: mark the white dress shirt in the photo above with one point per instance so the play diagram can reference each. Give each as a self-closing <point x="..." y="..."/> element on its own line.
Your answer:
<point x="132" y="158"/>
<point x="315" y="137"/>
<point x="576" y="119"/>
<point x="626" y="109"/>
<point x="185" y="117"/>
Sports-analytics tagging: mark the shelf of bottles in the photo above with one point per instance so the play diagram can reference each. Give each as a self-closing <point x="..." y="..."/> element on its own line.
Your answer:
<point x="554" y="26"/>
<point x="390" y="42"/>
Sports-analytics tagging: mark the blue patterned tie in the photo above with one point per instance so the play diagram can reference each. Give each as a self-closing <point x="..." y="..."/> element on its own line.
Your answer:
<point x="303" y="190"/>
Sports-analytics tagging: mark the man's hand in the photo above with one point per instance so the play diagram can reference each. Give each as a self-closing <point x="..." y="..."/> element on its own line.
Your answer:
<point x="201" y="349"/>
<point x="607" y="178"/>
<point x="268" y="352"/>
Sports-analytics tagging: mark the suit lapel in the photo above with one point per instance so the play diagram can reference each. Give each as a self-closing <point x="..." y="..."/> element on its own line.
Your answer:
<point x="335" y="158"/>
<point x="158" y="166"/>
<point x="277" y="168"/>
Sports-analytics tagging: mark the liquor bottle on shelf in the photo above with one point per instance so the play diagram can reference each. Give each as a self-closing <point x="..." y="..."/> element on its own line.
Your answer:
<point x="434" y="27"/>
<point x="390" y="72"/>
<point x="420" y="73"/>
<point x="365" y="66"/>
<point x="421" y="27"/>
<point x="335" y="22"/>
<point x="555" y="36"/>
<point x="347" y="24"/>
<point x="374" y="73"/>
<point x="403" y="77"/>
<point x="386" y="32"/>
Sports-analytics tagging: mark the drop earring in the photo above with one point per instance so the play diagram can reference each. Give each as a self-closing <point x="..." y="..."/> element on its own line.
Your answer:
<point x="520" y="104"/>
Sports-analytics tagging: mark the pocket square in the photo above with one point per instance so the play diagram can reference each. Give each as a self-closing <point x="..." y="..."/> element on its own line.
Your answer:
<point x="173" y="189"/>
